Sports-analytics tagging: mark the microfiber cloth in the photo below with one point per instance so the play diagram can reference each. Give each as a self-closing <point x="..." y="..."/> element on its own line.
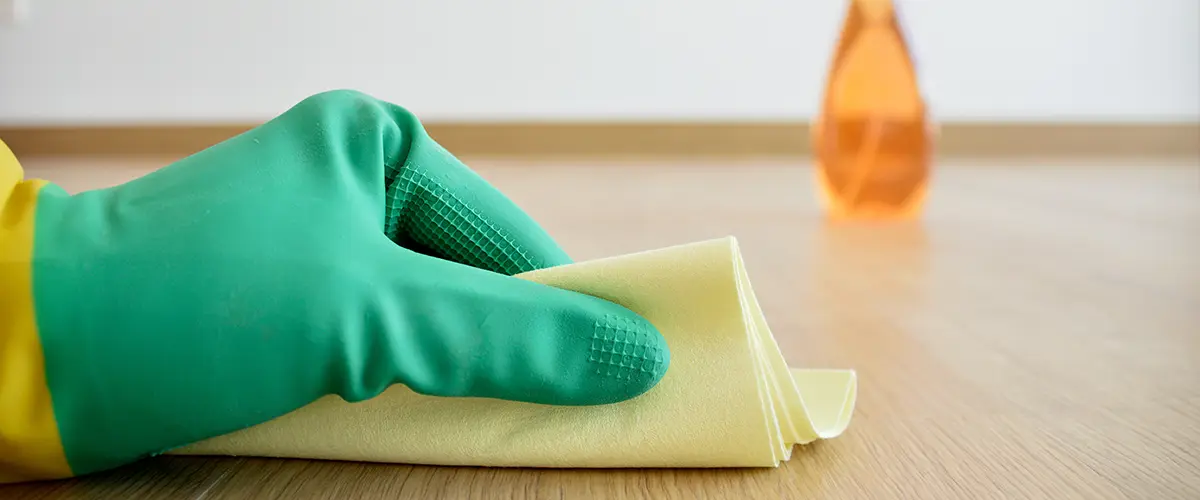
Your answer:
<point x="728" y="398"/>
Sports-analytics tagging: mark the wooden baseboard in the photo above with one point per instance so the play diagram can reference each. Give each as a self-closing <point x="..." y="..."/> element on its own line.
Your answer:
<point x="971" y="140"/>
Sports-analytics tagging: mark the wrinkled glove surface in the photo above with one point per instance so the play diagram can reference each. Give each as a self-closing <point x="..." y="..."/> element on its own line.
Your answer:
<point x="336" y="249"/>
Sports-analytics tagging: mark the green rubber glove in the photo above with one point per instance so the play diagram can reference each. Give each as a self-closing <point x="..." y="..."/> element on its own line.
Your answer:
<point x="336" y="249"/>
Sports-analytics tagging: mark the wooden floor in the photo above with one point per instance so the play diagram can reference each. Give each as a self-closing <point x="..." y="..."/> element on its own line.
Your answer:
<point x="1036" y="336"/>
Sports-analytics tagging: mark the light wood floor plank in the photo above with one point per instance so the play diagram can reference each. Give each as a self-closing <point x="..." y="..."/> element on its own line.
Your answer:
<point x="1036" y="335"/>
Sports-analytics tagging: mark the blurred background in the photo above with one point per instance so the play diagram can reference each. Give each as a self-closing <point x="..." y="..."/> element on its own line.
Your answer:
<point x="233" y="61"/>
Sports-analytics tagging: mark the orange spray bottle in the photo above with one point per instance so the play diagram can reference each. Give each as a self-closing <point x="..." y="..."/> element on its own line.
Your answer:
<point x="873" y="139"/>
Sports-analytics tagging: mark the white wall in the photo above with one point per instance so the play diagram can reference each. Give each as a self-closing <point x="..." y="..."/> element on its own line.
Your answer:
<point x="221" y="60"/>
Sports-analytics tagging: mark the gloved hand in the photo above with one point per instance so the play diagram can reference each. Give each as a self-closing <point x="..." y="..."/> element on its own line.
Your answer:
<point x="336" y="249"/>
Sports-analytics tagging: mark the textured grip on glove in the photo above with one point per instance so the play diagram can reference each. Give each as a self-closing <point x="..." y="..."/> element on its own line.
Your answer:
<point x="421" y="210"/>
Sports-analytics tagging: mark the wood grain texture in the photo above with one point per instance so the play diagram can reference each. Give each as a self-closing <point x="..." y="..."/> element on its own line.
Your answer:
<point x="1035" y="336"/>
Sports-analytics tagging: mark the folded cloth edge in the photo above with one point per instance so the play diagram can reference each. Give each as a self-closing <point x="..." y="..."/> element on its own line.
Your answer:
<point x="799" y="405"/>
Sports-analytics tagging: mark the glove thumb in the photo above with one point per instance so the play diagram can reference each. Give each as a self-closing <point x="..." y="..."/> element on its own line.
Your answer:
<point x="448" y="329"/>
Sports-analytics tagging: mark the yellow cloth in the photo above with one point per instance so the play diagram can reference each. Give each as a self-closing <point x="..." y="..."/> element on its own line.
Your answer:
<point x="728" y="398"/>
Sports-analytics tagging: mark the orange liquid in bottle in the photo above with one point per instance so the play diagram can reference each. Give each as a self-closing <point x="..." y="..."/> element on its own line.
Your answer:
<point x="872" y="139"/>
